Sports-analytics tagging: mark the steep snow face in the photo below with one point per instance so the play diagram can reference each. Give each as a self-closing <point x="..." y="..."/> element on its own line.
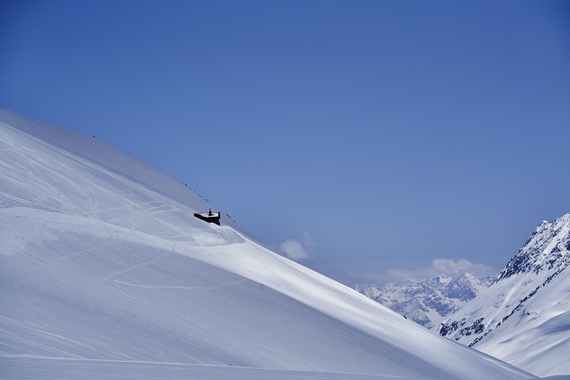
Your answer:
<point x="545" y="251"/>
<point x="524" y="317"/>
<point x="103" y="265"/>
<point x="428" y="301"/>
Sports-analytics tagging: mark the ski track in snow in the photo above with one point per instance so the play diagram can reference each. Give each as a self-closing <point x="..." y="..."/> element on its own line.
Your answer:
<point x="108" y="277"/>
<point x="179" y="287"/>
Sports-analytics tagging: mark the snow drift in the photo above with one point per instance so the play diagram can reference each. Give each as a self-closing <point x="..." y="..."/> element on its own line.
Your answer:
<point x="106" y="272"/>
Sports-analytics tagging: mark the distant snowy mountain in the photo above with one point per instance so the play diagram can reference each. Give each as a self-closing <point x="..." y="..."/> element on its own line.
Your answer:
<point x="524" y="318"/>
<point x="428" y="301"/>
<point x="106" y="273"/>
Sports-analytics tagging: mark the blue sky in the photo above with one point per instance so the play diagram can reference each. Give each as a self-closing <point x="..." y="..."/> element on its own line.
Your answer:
<point x="372" y="136"/>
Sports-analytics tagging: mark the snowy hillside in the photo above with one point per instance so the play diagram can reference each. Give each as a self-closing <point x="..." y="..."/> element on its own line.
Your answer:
<point x="524" y="318"/>
<point x="429" y="301"/>
<point x="105" y="272"/>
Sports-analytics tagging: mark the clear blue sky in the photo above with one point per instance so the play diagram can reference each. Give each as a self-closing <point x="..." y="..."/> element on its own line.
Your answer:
<point x="375" y="134"/>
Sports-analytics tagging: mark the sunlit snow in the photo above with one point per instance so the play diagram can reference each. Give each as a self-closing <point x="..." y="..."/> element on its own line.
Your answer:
<point x="105" y="272"/>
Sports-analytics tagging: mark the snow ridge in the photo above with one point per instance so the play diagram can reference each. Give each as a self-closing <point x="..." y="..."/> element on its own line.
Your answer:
<point x="531" y="291"/>
<point x="546" y="250"/>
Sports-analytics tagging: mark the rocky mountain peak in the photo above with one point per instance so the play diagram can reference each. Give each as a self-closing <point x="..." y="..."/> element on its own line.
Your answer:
<point x="547" y="248"/>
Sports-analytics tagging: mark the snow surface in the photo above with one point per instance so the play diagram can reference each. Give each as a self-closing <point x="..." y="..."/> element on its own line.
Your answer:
<point x="540" y="340"/>
<point x="105" y="272"/>
<point x="524" y="318"/>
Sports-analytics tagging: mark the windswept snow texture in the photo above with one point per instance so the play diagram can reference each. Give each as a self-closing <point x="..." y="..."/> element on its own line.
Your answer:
<point x="106" y="272"/>
<point x="524" y="318"/>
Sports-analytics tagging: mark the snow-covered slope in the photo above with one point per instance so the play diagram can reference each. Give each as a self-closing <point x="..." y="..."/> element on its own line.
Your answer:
<point x="429" y="301"/>
<point x="524" y="318"/>
<point x="105" y="271"/>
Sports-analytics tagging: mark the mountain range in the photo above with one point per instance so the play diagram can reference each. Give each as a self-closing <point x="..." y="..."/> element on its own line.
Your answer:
<point x="427" y="302"/>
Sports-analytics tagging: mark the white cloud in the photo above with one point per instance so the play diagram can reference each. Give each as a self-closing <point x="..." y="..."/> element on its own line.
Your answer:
<point x="298" y="249"/>
<point x="452" y="268"/>
<point x="379" y="273"/>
